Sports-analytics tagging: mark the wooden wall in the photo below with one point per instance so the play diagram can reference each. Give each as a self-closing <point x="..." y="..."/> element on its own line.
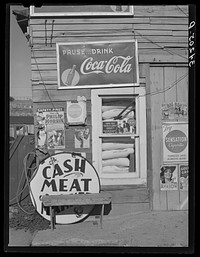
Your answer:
<point x="162" y="77"/>
<point x="162" y="35"/>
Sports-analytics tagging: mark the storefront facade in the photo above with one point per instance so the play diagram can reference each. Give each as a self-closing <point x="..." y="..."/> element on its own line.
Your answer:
<point x="110" y="84"/>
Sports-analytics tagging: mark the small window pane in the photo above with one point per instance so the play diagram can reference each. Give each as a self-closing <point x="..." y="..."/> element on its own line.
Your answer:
<point x="118" y="155"/>
<point x="118" y="116"/>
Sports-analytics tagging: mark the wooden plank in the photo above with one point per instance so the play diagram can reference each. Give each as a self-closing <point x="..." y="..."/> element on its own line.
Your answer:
<point x="112" y="20"/>
<point x="159" y="197"/>
<point x="162" y="58"/>
<point x="141" y="38"/>
<point x="182" y="96"/>
<point x="143" y="32"/>
<point x="168" y="20"/>
<point x="161" y="39"/>
<point x="77" y="199"/>
<point x="182" y="87"/>
<point x="129" y="195"/>
<point x="170" y="77"/>
<point x="47" y="60"/>
<point x="53" y="85"/>
<point x="59" y="95"/>
<point x="160" y="10"/>
<point x="149" y="136"/>
<point x="147" y="32"/>
<point x="159" y="51"/>
<point x="62" y="34"/>
<point x="180" y="33"/>
<point x="141" y="43"/>
<point x="161" y="27"/>
<point x="68" y="21"/>
<point x="183" y="201"/>
<point x="43" y="67"/>
<point x="66" y="27"/>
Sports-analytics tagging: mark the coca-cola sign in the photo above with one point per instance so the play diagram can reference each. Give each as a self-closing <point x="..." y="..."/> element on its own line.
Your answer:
<point x="97" y="64"/>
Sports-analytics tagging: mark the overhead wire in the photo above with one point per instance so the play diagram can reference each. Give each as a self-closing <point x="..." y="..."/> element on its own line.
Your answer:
<point x="167" y="88"/>
<point x="161" y="47"/>
<point x="47" y="90"/>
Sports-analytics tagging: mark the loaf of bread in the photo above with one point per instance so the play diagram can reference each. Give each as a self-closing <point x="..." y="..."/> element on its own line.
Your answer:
<point x="121" y="153"/>
<point x="117" y="161"/>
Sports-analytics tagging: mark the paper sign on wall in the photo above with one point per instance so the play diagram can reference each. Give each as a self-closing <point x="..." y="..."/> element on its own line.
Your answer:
<point x="82" y="138"/>
<point x="76" y="112"/>
<point x="50" y="128"/>
<point x="183" y="177"/>
<point x="175" y="142"/>
<point x="169" y="177"/>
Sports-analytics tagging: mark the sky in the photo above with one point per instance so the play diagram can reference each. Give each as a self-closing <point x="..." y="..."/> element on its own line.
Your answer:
<point x="20" y="59"/>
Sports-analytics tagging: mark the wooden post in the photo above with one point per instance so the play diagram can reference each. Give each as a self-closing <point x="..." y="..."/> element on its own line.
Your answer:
<point x="101" y="217"/>
<point x="51" y="216"/>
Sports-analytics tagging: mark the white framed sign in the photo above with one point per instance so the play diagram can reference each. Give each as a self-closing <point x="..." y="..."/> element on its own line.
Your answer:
<point x="175" y="142"/>
<point x="95" y="64"/>
<point x="64" y="173"/>
<point x="81" y="10"/>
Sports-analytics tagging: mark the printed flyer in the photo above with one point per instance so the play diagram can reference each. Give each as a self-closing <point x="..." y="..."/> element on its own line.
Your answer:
<point x="183" y="177"/>
<point x="124" y="126"/>
<point x="174" y="111"/>
<point x="82" y="138"/>
<point x="169" y="177"/>
<point x="175" y="142"/>
<point x="50" y="128"/>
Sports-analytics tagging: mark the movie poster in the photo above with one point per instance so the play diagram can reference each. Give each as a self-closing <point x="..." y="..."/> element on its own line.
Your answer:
<point x="169" y="177"/>
<point x="50" y="128"/>
<point x="183" y="177"/>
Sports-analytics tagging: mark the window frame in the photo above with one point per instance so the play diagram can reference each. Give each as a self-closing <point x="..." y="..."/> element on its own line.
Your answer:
<point x="140" y="177"/>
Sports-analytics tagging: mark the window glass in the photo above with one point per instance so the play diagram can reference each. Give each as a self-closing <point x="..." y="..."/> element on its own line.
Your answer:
<point x="118" y="116"/>
<point x="118" y="155"/>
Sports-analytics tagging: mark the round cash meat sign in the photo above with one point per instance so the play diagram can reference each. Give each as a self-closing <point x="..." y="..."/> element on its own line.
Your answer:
<point x="64" y="173"/>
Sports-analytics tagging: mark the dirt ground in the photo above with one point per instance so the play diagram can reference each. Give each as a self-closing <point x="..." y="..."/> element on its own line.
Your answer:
<point x="141" y="229"/>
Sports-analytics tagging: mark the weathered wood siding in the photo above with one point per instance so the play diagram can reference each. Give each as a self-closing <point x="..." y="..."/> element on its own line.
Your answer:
<point x="162" y="35"/>
<point x="162" y="78"/>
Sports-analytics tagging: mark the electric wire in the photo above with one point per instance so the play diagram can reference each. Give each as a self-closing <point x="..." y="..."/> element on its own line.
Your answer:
<point x="165" y="89"/>
<point x="24" y="173"/>
<point x="47" y="90"/>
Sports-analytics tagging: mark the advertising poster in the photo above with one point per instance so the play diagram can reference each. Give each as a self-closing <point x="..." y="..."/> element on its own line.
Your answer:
<point x="124" y="126"/>
<point x="90" y="64"/>
<point x="76" y="112"/>
<point x="169" y="177"/>
<point x="82" y="138"/>
<point x="50" y="128"/>
<point x="174" y="111"/>
<point x="183" y="177"/>
<point x="175" y="142"/>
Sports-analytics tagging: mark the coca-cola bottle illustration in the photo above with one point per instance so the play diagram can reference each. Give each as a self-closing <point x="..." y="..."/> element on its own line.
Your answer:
<point x="70" y="76"/>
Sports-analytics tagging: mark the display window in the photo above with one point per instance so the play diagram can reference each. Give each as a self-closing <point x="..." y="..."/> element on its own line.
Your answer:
<point x="119" y="135"/>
